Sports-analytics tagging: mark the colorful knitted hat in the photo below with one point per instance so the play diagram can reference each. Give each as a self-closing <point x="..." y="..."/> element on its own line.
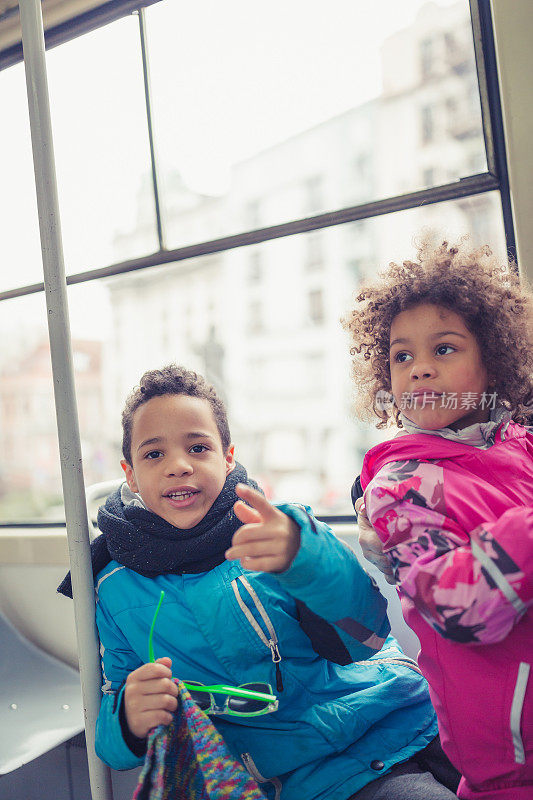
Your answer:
<point x="188" y="760"/>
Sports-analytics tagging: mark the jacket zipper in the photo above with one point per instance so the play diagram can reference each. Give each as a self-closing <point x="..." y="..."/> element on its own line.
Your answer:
<point x="272" y="641"/>
<point x="256" y="775"/>
<point x="516" y="711"/>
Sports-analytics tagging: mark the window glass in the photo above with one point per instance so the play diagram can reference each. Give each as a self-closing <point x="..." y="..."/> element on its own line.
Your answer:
<point x="30" y="482"/>
<point x="275" y="351"/>
<point x="102" y="157"/>
<point x="255" y="124"/>
<point x="19" y="224"/>
<point x="102" y="148"/>
<point x="258" y="122"/>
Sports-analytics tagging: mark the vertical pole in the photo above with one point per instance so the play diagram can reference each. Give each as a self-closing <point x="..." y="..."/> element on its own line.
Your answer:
<point x="148" y="103"/>
<point x="491" y="109"/>
<point x="513" y="60"/>
<point x="63" y="376"/>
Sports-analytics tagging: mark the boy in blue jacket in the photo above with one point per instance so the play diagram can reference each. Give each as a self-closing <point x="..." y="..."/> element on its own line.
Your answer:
<point x="254" y="594"/>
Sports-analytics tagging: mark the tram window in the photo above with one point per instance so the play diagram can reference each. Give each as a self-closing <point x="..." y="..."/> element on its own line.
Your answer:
<point x="20" y="247"/>
<point x="240" y="105"/>
<point x="30" y="483"/>
<point x="249" y="133"/>
<point x="101" y="150"/>
<point x="277" y="372"/>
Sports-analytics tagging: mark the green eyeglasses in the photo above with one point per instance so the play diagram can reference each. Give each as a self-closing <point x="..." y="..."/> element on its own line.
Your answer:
<point x="248" y="700"/>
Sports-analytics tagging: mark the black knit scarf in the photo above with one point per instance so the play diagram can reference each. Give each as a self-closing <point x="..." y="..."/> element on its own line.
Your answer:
<point x="149" y="545"/>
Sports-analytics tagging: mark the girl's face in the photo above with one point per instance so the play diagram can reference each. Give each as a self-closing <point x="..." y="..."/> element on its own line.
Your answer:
<point x="438" y="378"/>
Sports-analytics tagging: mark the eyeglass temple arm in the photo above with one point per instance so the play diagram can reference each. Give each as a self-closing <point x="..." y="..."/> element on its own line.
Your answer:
<point x="151" y="655"/>
<point x="217" y="688"/>
<point x="235" y="691"/>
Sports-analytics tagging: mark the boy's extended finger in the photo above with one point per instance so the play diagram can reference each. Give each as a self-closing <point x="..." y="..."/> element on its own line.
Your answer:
<point x="253" y="532"/>
<point x="256" y="500"/>
<point x="255" y="549"/>
<point x="245" y="513"/>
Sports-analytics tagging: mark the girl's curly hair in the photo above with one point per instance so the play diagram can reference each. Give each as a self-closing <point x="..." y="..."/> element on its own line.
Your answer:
<point x="495" y="306"/>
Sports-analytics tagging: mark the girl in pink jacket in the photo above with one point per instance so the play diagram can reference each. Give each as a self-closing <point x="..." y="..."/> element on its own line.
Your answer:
<point x="443" y="349"/>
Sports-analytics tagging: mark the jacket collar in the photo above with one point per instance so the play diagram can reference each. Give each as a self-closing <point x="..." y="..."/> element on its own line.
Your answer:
<point x="480" y="434"/>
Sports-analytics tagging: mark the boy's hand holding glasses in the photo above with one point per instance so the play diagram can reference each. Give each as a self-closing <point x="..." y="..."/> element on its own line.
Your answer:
<point x="151" y="693"/>
<point x="268" y="540"/>
<point x="150" y="697"/>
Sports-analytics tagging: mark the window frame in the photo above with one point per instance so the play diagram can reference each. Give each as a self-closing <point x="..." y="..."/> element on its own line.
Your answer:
<point x="495" y="178"/>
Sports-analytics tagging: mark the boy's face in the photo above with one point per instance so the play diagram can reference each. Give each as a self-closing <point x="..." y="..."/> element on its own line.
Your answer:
<point x="178" y="465"/>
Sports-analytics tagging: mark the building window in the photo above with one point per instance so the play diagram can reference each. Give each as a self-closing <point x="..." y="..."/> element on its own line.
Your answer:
<point x="477" y="212"/>
<point x="473" y="99"/>
<point x="477" y="163"/>
<point x="314" y="191"/>
<point x="316" y="306"/>
<point x="361" y="177"/>
<point x="355" y="270"/>
<point x="450" y="42"/>
<point x="314" y="257"/>
<point x="451" y="109"/>
<point x="187" y="321"/>
<point x="362" y="163"/>
<point x="458" y="56"/>
<point x="252" y="214"/>
<point x="255" y="267"/>
<point x="427" y="127"/>
<point x="426" y="57"/>
<point x="428" y="177"/>
<point x="255" y="317"/>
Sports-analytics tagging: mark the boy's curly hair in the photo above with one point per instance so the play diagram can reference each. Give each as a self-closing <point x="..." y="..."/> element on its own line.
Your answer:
<point x="496" y="308"/>
<point x="172" y="379"/>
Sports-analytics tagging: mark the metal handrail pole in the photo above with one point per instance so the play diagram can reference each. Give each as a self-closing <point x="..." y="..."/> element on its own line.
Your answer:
<point x="63" y="376"/>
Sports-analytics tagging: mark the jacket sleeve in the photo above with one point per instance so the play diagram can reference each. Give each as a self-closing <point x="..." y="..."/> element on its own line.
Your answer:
<point x="470" y="586"/>
<point x="335" y="595"/>
<point x="117" y="660"/>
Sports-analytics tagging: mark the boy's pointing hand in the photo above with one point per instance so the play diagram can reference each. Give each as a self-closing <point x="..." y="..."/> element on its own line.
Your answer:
<point x="268" y="540"/>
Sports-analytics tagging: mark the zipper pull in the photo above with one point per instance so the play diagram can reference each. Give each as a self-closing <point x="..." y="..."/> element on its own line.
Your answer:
<point x="276" y="658"/>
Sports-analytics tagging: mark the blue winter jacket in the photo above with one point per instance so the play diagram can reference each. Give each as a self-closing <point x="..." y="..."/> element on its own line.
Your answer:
<point x="338" y="725"/>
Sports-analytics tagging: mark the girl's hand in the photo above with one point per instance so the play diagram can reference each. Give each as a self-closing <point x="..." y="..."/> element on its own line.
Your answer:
<point x="269" y="539"/>
<point x="150" y="697"/>
<point x="371" y="544"/>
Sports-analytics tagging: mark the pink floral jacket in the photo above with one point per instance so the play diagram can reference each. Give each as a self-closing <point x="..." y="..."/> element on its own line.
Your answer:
<point x="457" y="524"/>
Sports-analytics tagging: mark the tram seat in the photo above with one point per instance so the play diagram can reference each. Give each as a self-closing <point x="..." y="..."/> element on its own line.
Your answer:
<point x="40" y="700"/>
